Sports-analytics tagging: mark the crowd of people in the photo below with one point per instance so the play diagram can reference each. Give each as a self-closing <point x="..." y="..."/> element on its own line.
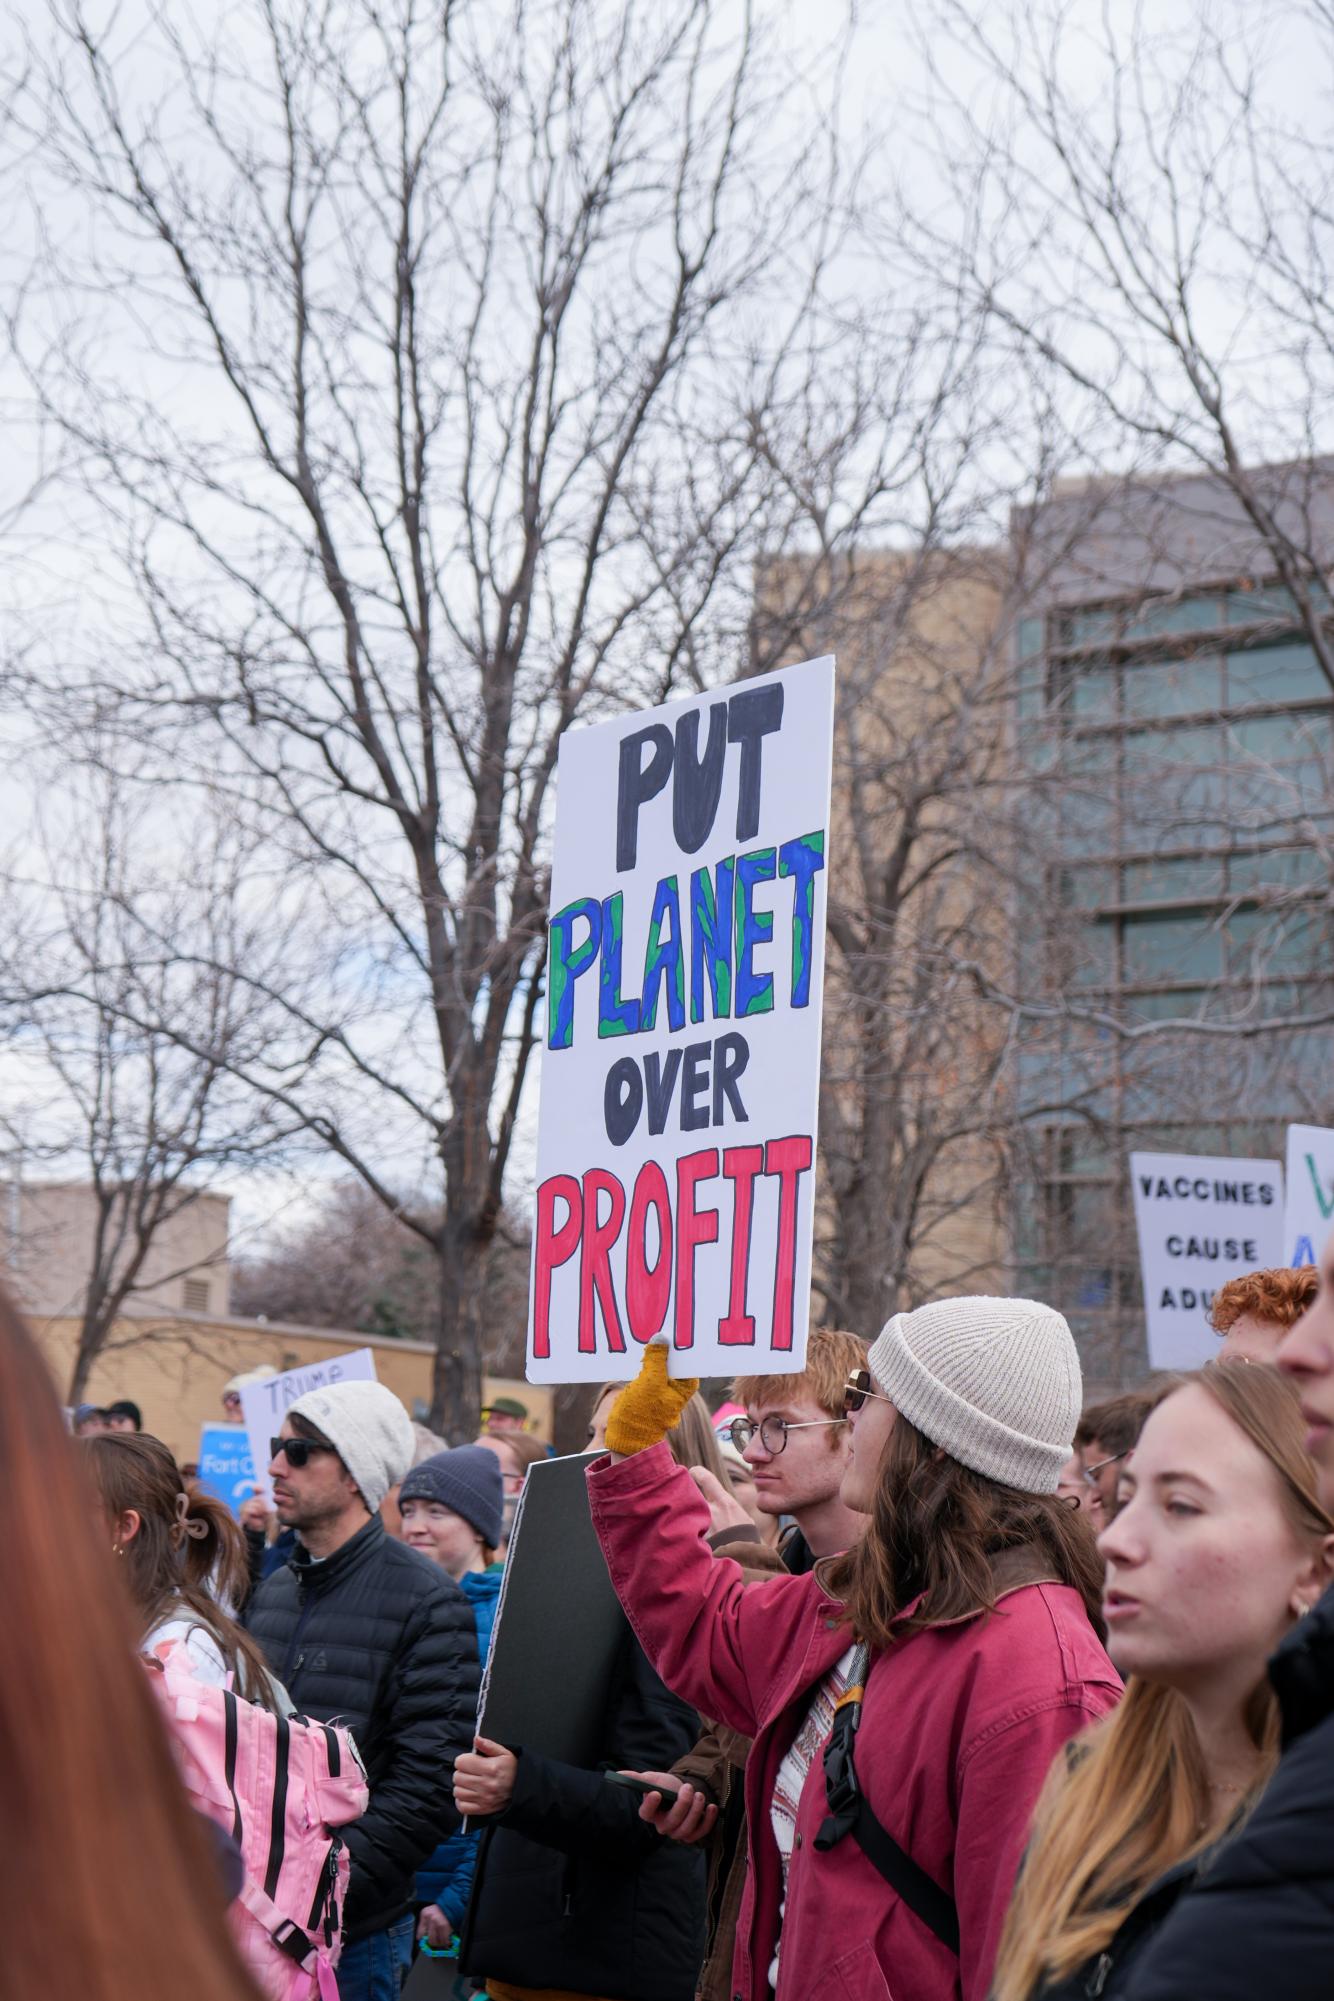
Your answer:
<point x="933" y="1685"/>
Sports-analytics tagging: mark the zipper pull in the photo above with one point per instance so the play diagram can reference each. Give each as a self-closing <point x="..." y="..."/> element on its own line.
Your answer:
<point x="1098" y="1977"/>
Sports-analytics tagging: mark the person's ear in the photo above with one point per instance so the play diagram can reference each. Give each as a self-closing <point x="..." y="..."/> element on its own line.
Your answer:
<point x="128" y="1526"/>
<point x="1313" y="1579"/>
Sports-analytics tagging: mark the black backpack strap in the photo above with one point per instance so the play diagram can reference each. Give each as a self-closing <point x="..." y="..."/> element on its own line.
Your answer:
<point x="905" y="1877"/>
<point x="850" y="1813"/>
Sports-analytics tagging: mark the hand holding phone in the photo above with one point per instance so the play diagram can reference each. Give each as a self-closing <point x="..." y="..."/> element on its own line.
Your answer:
<point x="645" y="1783"/>
<point x="679" y="1812"/>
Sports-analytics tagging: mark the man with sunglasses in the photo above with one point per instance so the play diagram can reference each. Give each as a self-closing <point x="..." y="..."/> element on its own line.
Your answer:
<point x="363" y="1629"/>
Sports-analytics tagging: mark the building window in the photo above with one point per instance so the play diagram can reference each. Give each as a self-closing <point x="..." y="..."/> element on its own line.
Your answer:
<point x="196" y="1295"/>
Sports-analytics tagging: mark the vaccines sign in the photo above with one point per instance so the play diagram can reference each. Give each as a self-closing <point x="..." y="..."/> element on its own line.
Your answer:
<point x="681" y="1045"/>
<point x="1201" y="1221"/>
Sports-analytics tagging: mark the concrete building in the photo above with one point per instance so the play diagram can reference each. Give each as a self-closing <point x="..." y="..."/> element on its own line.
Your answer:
<point x="1178" y="739"/>
<point x="910" y="1201"/>
<point x="48" y="1230"/>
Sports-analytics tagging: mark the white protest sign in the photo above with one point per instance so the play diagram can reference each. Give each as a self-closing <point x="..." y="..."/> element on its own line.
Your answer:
<point x="265" y="1404"/>
<point x="681" y="1057"/>
<point x="1201" y="1221"/>
<point x="1308" y="1216"/>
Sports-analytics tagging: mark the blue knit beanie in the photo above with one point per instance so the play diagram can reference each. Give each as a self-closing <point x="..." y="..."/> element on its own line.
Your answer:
<point x="466" y="1480"/>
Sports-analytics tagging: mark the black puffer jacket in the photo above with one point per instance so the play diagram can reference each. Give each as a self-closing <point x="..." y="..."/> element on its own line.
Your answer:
<point x="573" y="1890"/>
<point x="1260" y="1921"/>
<point x="1108" y="1973"/>
<point x="379" y="1639"/>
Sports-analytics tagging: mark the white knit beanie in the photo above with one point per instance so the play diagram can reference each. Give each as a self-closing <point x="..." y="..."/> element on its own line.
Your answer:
<point x="368" y="1428"/>
<point x="994" y="1382"/>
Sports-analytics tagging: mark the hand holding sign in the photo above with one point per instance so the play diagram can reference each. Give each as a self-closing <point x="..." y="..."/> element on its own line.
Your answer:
<point x="649" y="1407"/>
<point x="484" y="1778"/>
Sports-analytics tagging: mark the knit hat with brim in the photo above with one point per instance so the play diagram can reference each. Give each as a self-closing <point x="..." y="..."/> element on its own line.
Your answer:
<point x="993" y="1382"/>
<point x="468" y="1481"/>
<point x="368" y="1429"/>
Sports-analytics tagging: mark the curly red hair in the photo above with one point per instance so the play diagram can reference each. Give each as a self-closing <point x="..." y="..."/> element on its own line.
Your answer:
<point x="1280" y="1296"/>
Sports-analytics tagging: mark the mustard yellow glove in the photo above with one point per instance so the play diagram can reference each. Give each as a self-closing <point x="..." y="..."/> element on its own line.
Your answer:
<point x="649" y="1407"/>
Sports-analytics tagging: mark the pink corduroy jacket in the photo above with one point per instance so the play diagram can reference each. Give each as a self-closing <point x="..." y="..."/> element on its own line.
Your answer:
<point x="959" y="1728"/>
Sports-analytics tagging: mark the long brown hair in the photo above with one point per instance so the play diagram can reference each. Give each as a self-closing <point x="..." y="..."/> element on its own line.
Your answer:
<point x="109" y="1887"/>
<point x="934" y="1529"/>
<point x="694" y="1442"/>
<point x="1135" y="1800"/>
<point x="188" y="1552"/>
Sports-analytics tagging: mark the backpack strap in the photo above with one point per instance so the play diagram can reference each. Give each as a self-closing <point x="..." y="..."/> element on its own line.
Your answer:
<point x="284" y="1932"/>
<point x="851" y="1813"/>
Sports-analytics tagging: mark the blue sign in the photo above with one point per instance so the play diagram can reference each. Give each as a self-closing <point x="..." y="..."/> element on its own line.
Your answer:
<point x="226" y="1468"/>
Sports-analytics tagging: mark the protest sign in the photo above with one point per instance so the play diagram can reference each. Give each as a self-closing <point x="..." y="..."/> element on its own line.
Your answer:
<point x="1201" y="1221"/>
<point x="264" y="1404"/>
<point x="681" y="1057"/>
<point x="558" y="1629"/>
<point x="1308" y="1216"/>
<point x="226" y="1464"/>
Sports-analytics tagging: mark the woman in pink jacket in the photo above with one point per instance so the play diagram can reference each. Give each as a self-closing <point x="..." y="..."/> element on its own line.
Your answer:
<point x="906" y="1699"/>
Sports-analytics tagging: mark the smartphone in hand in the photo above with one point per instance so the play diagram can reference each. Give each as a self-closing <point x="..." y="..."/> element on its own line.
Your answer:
<point x="630" y="1782"/>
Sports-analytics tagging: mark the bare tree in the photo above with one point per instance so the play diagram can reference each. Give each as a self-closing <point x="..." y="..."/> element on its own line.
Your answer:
<point x="122" y="1072"/>
<point x="1146" y="210"/>
<point x="353" y="1264"/>
<point x="426" y="364"/>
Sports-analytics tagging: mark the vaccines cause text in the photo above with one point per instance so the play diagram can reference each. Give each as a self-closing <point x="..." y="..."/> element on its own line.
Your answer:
<point x="1195" y="1244"/>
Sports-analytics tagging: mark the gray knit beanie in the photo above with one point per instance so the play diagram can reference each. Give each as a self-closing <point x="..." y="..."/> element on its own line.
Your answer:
<point x="466" y="1480"/>
<point x="368" y="1429"/>
<point x="993" y="1382"/>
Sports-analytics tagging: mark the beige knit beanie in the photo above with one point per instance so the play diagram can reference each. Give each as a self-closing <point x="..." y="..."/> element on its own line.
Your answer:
<point x="994" y="1382"/>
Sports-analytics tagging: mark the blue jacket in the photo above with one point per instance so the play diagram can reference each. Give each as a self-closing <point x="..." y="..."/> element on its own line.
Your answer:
<point x="446" y="1879"/>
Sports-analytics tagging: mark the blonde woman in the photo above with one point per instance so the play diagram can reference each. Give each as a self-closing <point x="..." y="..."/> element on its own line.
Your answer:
<point x="1220" y="1544"/>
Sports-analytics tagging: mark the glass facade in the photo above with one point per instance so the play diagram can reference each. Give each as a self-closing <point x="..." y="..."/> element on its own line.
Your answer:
<point x="1181" y="757"/>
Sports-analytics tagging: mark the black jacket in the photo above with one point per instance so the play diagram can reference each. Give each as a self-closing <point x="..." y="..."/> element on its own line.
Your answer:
<point x="378" y="1638"/>
<point x="1109" y="1974"/>
<point x="573" y="1890"/>
<point x="1260" y="1921"/>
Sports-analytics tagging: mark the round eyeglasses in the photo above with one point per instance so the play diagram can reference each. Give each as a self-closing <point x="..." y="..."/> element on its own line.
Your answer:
<point x="773" y="1431"/>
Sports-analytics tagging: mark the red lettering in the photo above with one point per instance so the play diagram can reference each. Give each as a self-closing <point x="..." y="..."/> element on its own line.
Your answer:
<point x="648" y="1290"/>
<point x="553" y="1247"/>
<point x="741" y="1164"/>
<point x="595" y="1261"/>
<point x="789" y="1159"/>
<point x="693" y="1227"/>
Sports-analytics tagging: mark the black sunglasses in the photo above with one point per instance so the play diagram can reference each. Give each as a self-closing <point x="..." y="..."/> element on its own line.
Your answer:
<point x="857" y="1389"/>
<point x="296" y="1451"/>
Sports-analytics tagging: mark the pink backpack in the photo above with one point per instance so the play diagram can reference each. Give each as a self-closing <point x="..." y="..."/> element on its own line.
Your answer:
<point x="279" y="1786"/>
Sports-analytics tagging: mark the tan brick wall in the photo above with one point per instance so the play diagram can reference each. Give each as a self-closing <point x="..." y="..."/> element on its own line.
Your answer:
<point x="47" y="1228"/>
<point x="174" y="1365"/>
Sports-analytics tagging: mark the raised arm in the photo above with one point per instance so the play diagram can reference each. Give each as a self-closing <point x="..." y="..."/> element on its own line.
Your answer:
<point x="716" y="1642"/>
